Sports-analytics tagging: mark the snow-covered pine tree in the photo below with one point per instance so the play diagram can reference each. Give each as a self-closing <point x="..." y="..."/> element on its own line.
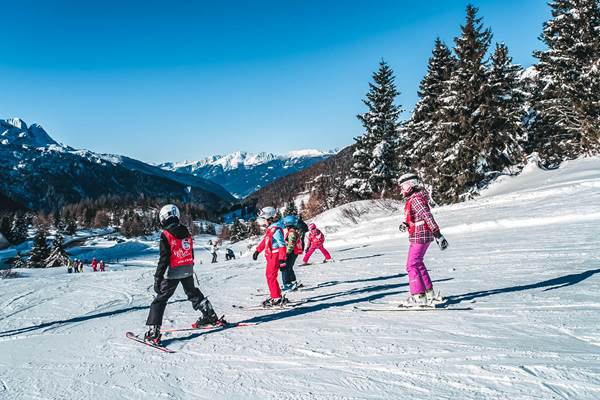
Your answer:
<point x="460" y="158"/>
<point x="568" y="99"/>
<point x="375" y="166"/>
<point x="58" y="256"/>
<point x="40" y="250"/>
<point x="19" y="262"/>
<point x="19" y="229"/>
<point x="237" y="231"/>
<point x="506" y="110"/>
<point x="420" y="132"/>
<point x="290" y="208"/>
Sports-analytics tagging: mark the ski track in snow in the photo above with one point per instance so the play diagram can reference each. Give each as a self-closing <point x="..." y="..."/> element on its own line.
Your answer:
<point x="525" y="257"/>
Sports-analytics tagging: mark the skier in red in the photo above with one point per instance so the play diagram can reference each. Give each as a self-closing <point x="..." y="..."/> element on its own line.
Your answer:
<point x="101" y="265"/>
<point x="95" y="264"/>
<point x="177" y="260"/>
<point x="274" y="246"/>
<point x="315" y="242"/>
<point x="422" y="229"/>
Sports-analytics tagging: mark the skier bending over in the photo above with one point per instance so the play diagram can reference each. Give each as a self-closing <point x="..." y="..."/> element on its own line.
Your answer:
<point x="422" y="228"/>
<point x="293" y="250"/>
<point x="273" y="244"/>
<point x="177" y="260"/>
<point x="315" y="242"/>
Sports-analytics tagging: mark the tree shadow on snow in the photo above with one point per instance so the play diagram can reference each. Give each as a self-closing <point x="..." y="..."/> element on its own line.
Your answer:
<point x="320" y="306"/>
<point x="550" y="284"/>
<point x="360" y="257"/>
<point x="334" y="283"/>
<point x="83" y="318"/>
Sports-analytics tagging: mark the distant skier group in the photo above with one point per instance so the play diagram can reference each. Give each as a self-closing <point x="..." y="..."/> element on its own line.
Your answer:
<point x="282" y="244"/>
<point x="76" y="265"/>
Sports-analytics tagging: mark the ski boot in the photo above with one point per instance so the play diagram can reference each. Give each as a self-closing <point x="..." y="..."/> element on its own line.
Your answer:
<point x="279" y="302"/>
<point x="288" y="287"/>
<point x="415" y="301"/>
<point x="433" y="298"/>
<point x="153" y="335"/>
<point x="209" y="317"/>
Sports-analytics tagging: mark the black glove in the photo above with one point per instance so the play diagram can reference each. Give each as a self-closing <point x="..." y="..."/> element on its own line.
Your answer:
<point x="157" y="282"/>
<point x="282" y="264"/>
<point x="441" y="242"/>
<point x="403" y="227"/>
<point x="255" y="255"/>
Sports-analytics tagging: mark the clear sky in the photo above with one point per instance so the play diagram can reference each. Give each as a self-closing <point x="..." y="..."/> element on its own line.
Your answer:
<point x="175" y="80"/>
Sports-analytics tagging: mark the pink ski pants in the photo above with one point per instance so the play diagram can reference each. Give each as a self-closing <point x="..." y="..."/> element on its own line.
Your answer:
<point x="312" y="249"/>
<point x="418" y="277"/>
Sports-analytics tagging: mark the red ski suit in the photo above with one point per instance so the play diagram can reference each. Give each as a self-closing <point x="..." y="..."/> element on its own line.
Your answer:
<point x="273" y="244"/>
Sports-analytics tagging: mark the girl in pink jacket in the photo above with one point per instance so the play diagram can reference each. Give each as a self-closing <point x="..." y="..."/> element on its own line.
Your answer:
<point x="422" y="229"/>
<point x="315" y="242"/>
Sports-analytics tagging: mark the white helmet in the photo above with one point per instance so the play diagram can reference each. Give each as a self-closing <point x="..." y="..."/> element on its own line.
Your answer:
<point x="408" y="182"/>
<point x="267" y="213"/>
<point x="167" y="212"/>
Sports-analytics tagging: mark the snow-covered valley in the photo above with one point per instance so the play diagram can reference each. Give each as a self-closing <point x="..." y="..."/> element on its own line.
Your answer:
<point x="525" y="256"/>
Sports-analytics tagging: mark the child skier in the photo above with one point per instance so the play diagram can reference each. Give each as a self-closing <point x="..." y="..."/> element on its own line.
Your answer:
<point x="293" y="250"/>
<point x="101" y="265"/>
<point x="94" y="264"/>
<point x="273" y="244"/>
<point x="422" y="229"/>
<point x="315" y="242"/>
<point x="177" y="260"/>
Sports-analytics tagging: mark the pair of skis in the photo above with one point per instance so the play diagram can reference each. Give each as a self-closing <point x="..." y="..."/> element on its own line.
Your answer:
<point x="221" y="324"/>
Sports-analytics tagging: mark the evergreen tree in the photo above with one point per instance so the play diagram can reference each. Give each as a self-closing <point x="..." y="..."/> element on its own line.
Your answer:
<point x="19" y="229"/>
<point x="290" y="209"/>
<point x="58" y="256"/>
<point x="460" y="149"/>
<point x="70" y="226"/>
<point x="568" y="99"/>
<point x="238" y="231"/>
<point x="18" y="262"/>
<point x="6" y="227"/>
<point x="421" y="132"/>
<point x="506" y="112"/>
<point x="40" y="250"/>
<point x="375" y="165"/>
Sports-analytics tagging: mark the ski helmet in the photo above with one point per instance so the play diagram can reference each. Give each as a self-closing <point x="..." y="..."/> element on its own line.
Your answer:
<point x="167" y="213"/>
<point x="408" y="183"/>
<point x="266" y="214"/>
<point x="311" y="227"/>
<point x="290" y="220"/>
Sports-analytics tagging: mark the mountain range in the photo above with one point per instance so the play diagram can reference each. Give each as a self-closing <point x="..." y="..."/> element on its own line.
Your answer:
<point x="38" y="173"/>
<point x="243" y="173"/>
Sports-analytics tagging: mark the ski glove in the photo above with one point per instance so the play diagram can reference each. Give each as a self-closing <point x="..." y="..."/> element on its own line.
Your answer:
<point x="403" y="227"/>
<point x="157" y="283"/>
<point x="441" y="242"/>
<point x="255" y="255"/>
<point x="282" y="264"/>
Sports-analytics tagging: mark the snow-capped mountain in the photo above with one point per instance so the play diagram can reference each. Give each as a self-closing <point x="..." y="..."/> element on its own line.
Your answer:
<point x="243" y="173"/>
<point x="36" y="172"/>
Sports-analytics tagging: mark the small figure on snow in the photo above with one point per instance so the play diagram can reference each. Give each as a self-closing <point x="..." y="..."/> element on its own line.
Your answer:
<point x="293" y="250"/>
<point x="213" y="251"/>
<point x="274" y="246"/>
<point x="177" y="260"/>
<point x="70" y="266"/>
<point x="316" y="239"/>
<point x="94" y="264"/>
<point x="101" y="265"/>
<point x="229" y="255"/>
<point x="422" y="229"/>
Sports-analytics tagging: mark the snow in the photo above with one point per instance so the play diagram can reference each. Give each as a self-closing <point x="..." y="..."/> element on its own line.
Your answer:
<point x="524" y="256"/>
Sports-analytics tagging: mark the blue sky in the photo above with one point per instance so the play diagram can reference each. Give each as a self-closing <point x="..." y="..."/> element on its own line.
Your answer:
<point x="168" y="81"/>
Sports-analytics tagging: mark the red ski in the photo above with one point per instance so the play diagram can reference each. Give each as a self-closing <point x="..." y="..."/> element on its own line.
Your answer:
<point x="134" y="337"/>
<point x="218" y="325"/>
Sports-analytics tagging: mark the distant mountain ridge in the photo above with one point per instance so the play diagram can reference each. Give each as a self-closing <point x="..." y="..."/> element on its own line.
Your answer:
<point x="243" y="173"/>
<point x="37" y="172"/>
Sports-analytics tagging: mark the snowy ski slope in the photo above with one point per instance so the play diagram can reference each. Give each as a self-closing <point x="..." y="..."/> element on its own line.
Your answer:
<point x="525" y="256"/>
